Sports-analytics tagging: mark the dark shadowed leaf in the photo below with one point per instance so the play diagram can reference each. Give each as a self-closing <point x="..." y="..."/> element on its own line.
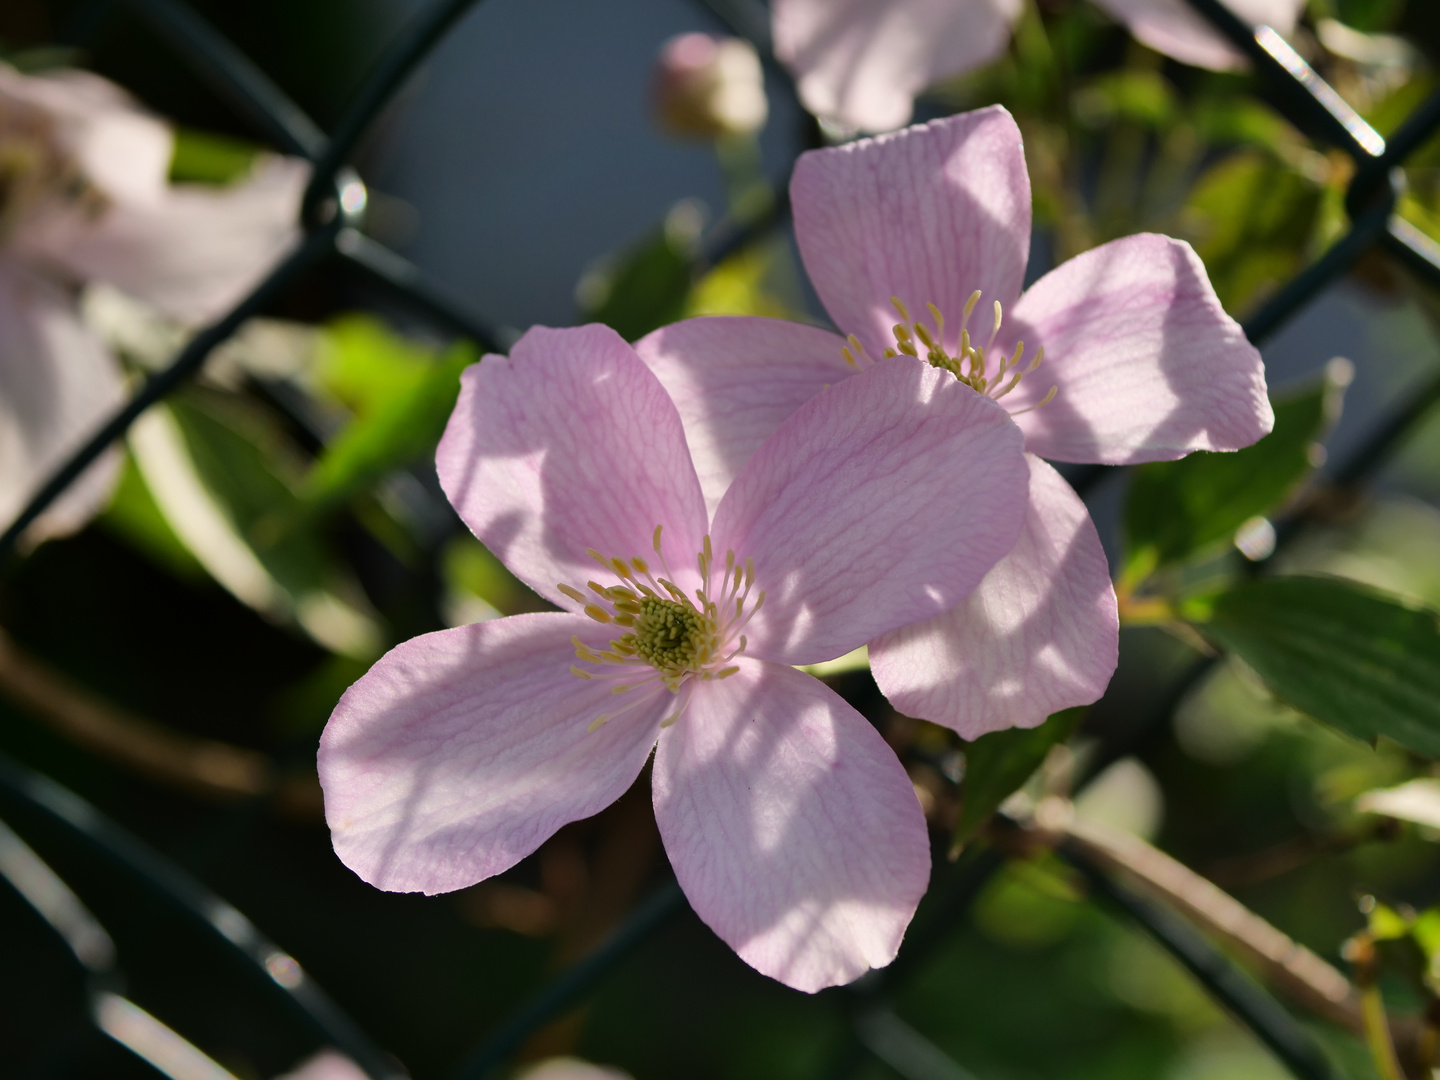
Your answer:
<point x="1347" y="655"/>
<point x="996" y="765"/>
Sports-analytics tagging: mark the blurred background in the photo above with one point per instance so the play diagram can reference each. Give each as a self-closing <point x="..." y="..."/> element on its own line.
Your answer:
<point x="524" y="172"/>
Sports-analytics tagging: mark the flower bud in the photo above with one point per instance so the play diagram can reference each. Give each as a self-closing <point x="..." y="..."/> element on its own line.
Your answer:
<point x="705" y="87"/>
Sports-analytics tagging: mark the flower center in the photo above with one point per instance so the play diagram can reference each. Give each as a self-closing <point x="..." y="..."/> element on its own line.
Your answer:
<point x="970" y="363"/>
<point x="671" y="639"/>
<point x="35" y="171"/>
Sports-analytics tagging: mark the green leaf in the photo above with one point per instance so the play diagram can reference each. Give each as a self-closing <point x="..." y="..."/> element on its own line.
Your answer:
<point x="1351" y="657"/>
<point x="403" y="397"/>
<point x="246" y="478"/>
<point x="1174" y="509"/>
<point x="134" y="516"/>
<point x="1144" y="98"/>
<point x="202" y="158"/>
<point x="996" y="765"/>
<point x="647" y="286"/>
<point x="1251" y="218"/>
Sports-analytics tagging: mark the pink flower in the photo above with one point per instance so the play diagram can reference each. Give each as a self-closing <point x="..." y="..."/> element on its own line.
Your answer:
<point x="84" y="196"/>
<point x="791" y="826"/>
<point x="1140" y="364"/>
<point x="861" y="62"/>
<point x="707" y="87"/>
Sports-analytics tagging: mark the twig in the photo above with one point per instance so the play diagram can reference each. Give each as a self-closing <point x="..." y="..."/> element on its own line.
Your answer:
<point x="1287" y="1040"/>
<point x="1282" y="962"/>
<point x="205" y="767"/>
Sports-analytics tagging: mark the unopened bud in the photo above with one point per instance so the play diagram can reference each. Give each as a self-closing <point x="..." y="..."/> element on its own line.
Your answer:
<point x="705" y="86"/>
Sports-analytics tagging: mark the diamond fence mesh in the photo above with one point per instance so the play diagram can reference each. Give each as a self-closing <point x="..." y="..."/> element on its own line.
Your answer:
<point x="333" y="238"/>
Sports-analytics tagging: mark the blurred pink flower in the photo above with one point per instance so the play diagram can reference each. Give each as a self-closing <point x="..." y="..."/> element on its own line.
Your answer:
<point x="861" y="62"/>
<point x="706" y="87"/>
<point x="1142" y="361"/>
<point x="326" y="1065"/>
<point x="569" y="1068"/>
<point x="84" y="196"/>
<point x="791" y="826"/>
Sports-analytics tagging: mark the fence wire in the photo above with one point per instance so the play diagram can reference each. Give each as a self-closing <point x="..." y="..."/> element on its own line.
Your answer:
<point x="332" y="217"/>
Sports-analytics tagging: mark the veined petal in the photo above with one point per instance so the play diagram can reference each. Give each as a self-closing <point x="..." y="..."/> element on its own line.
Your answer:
<point x="1175" y="29"/>
<point x="734" y="380"/>
<point x="861" y="62"/>
<point x="791" y="826"/>
<point x="571" y="443"/>
<point x="193" y="252"/>
<point x="928" y="215"/>
<point x="461" y="751"/>
<point x="1039" y="635"/>
<point x="881" y="501"/>
<point x="1149" y="367"/>
<point x="58" y="384"/>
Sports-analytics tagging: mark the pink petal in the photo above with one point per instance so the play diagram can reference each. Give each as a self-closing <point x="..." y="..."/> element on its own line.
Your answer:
<point x="929" y="215"/>
<point x="58" y="384"/>
<point x="879" y="502"/>
<point x="1039" y="635"/>
<point x="1149" y="367"/>
<point x="461" y="751"/>
<point x="791" y="826"/>
<point x="734" y="379"/>
<point x="1175" y="29"/>
<point x="326" y="1065"/>
<point x="571" y="443"/>
<point x="194" y="251"/>
<point x="123" y="151"/>
<point x="861" y="62"/>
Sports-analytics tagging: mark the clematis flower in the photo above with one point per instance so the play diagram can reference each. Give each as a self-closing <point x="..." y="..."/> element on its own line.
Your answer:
<point x="1140" y="363"/>
<point x="791" y="826"/>
<point x="84" y="196"/>
<point x="861" y="62"/>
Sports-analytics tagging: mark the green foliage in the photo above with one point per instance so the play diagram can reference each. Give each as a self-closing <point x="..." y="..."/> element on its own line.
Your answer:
<point x="468" y="566"/>
<point x="232" y="461"/>
<point x="1251" y="217"/>
<point x="401" y="395"/>
<point x="645" y="288"/>
<point x="1135" y="96"/>
<point x="1174" y="509"/>
<point x="202" y="158"/>
<point x="134" y="515"/>
<point x="996" y="765"/>
<point x="1349" y="656"/>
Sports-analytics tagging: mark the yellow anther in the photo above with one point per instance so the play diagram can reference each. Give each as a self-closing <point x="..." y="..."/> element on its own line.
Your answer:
<point x="573" y="593"/>
<point x="1039" y="404"/>
<point x="597" y="613"/>
<point x="640" y="565"/>
<point x="580" y="673"/>
<point x="899" y="305"/>
<point x="597" y="723"/>
<point x="970" y="307"/>
<point x="656" y="540"/>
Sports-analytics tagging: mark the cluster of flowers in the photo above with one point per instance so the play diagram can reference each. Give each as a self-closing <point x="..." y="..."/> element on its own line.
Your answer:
<point x="85" y="197"/>
<point x="730" y="497"/>
<point x="709" y="507"/>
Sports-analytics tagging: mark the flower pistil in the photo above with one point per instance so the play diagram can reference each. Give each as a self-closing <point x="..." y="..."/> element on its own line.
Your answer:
<point x="671" y="638"/>
<point x="969" y="363"/>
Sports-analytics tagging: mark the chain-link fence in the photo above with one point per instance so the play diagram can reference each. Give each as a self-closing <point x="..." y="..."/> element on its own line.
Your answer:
<point x="333" y="239"/>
